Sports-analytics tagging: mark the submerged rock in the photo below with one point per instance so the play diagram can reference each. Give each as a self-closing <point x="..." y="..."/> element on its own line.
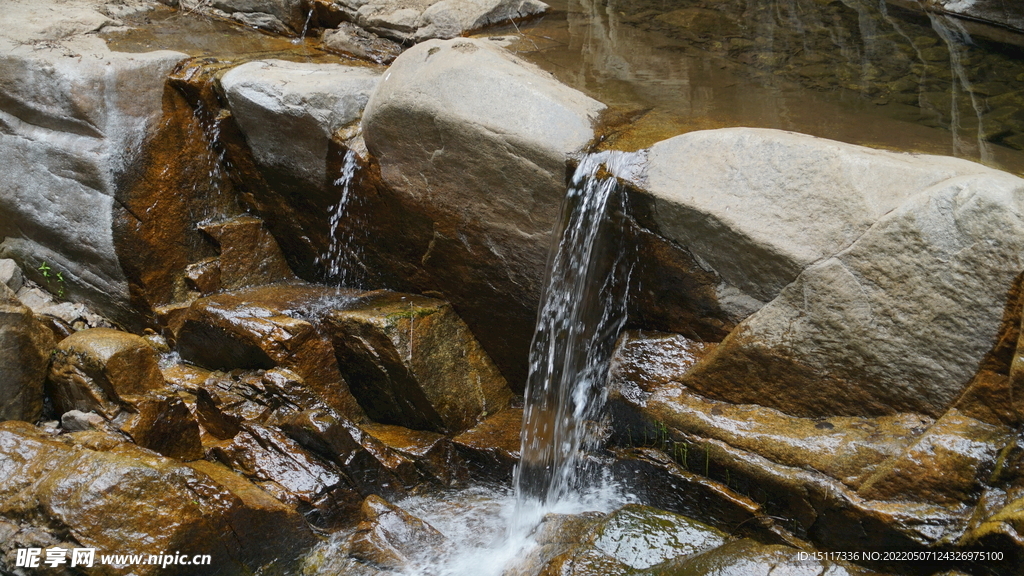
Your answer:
<point x="425" y="19"/>
<point x="147" y="504"/>
<point x="25" y="346"/>
<point x="412" y="361"/>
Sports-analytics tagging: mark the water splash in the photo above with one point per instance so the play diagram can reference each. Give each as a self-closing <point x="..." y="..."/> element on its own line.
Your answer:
<point x="581" y="314"/>
<point x="341" y="260"/>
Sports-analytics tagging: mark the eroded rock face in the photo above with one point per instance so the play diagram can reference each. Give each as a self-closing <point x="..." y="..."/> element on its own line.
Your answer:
<point x="1002" y="13"/>
<point x="148" y="505"/>
<point x="261" y="328"/>
<point x="25" y="346"/>
<point x="411" y="360"/>
<point x="486" y="170"/>
<point x="351" y="39"/>
<point x="424" y="19"/>
<point x="491" y="448"/>
<point x="75" y="117"/>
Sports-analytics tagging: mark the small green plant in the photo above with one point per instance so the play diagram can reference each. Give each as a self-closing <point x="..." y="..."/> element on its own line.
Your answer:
<point x="54" y="279"/>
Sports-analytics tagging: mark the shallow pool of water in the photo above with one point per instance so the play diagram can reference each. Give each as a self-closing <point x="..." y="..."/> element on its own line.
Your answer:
<point x="859" y="71"/>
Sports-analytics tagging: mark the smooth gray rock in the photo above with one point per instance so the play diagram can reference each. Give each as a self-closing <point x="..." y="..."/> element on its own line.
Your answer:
<point x="78" y="421"/>
<point x="73" y="119"/>
<point x="889" y="272"/>
<point x="758" y="206"/>
<point x="487" y="165"/>
<point x="352" y="39"/>
<point x="282" y="16"/>
<point x="418" y="20"/>
<point x="10" y="274"/>
<point x="288" y="112"/>
<point x="25" y="347"/>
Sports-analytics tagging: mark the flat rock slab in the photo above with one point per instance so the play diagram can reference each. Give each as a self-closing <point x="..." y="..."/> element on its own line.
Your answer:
<point x="418" y="20"/>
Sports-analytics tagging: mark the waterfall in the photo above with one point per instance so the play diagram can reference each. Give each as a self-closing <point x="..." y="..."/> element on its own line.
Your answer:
<point x="581" y="313"/>
<point x="341" y="259"/>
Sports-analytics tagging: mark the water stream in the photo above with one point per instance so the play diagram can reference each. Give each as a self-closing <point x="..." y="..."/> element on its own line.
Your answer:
<point x="341" y="260"/>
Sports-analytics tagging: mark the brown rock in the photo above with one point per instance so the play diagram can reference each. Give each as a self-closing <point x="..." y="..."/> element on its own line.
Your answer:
<point x="94" y="368"/>
<point x="264" y="327"/>
<point x="249" y="255"/>
<point x="746" y="557"/>
<point x="314" y="486"/>
<point x="162" y="422"/>
<point x="371" y="465"/>
<point x="129" y="501"/>
<point x="390" y="537"/>
<point x="949" y="464"/>
<point x="412" y="361"/>
<point x="434" y="454"/>
<point x="25" y="346"/>
<point x="491" y="449"/>
<point x="644" y="360"/>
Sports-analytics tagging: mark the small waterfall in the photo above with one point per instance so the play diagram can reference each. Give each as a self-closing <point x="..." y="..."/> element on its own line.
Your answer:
<point x="305" y="27"/>
<point x="341" y="259"/>
<point x="581" y="314"/>
<point x="958" y="41"/>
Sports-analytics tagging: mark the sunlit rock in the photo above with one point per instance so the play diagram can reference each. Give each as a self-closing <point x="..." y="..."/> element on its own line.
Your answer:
<point x="885" y="276"/>
<point x="485" y="172"/>
<point x="160" y="421"/>
<point x="147" y="504"/>
<point x="351" y="39"/>
<point x="412" y="361"/>
<point x="95" y="369"/>
<point x="424" y="19"/>
<point x="281" y="16"/>
<point x="25" y="346"/>
<point x="289" y="111"/>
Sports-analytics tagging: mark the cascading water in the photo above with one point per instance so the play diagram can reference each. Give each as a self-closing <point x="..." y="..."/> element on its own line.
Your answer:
<point x="340" y="261"/>
<point x="582" y="311"/>
<point x="581" y="314"/>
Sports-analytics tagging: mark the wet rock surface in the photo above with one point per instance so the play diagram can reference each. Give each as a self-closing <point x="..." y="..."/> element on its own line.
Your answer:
<point x="25" y="346"/>
<point x="151" y="503"/>
<point x="411" y="360"/>
<point x="97" y="369"/>
<point x="391" y="538"/>
<point x="491" y="449"/>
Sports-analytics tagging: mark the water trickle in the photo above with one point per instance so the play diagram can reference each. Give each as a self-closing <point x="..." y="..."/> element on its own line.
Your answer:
<point x="581" y="314"/>
<point x="341" y="259"/>
<point x="305" y="28"/>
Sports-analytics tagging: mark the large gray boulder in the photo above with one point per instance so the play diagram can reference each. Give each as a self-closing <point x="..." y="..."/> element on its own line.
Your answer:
<point x="886" y="275"/>
<point x="281" y="16"/>
<point x="289" y="111"/>
<point x="759" y="206"/>
<point x="475" y="140"/>
<point x="73" y="120"/>
<point x="418" y="20"/>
